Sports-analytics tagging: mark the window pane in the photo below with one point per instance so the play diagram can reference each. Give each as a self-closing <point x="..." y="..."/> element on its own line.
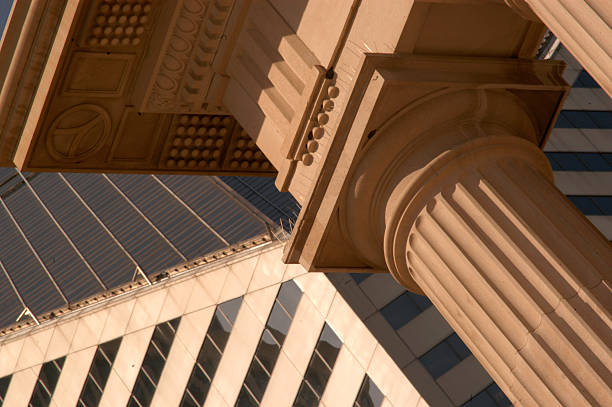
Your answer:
<point x="585" y="205"/>
<point x="305" y="397"/>
<point x="100" y="368"/>
<point x="482" y="399"/>
<point x="602" y="119"/>
<point x="188" y="401"/>
<point x="4" y="384"/>
<point x="604" y="203"/>
<point x="267" y="351"/>
<point x="143" y="389"/>
<point x="278" y="323"/>
<point x="329" y="345"/>
<point x="40" y="397"/>
<point x="369" y="394"/>
<point x="110" y="348"/>
<point x="231" y="308"/>
<point x="163" y="337"/>
<point x="439" y="359"/>
<point x="317" y="374"/>
<point x="257" y="380"/>
<point x="420" y="300"/>
<point x="458" y="346"/>
<point x="91" y="395"/>
<point x="400" y="311"/>
<point x="498" y="395"/>
<point x="359" y="277"/>
<point x="198" y="385"/>
<point x="579" y="119"/>
<point x="245" y="399"/>
<point x="49" y="374"/>
<point x="568" y="161"/>
<point x="153" y="363"/>
<point x="289" y="296"/>
<point x="594" y="161"/>
<point x="209" y="357"/>
<point x="219" y="329"/>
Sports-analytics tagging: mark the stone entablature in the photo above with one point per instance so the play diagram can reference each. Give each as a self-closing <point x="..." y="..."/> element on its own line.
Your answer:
<point x="129" y="86"/>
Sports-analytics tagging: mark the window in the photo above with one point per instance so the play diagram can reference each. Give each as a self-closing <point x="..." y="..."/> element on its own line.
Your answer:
<point x="369" y="394"/>
<point x="153" y="363"/>
<point x="4" y="384"/>
<point x="584" y="119"/>
<point x="580" y="161"/>
<point x="404" y="308"/>
<point x="47" y="380"/>
<point x="210" y="353"/>
<point x="271" y="341"/>
<point x="592" y="205"/>
<point x="584" y="80"/>
<point x="444" y="356"/>
<point x="359" y="277"/>
<point x="319" y="369"/>
<point x="98" y="373"/>
<point x="492" y="396"/>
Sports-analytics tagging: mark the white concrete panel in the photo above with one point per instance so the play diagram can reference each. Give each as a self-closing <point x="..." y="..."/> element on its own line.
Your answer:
<point x="74" y="372"/>
<point x="269" y="270"/>
<point x="303" y="334"/>
<point x="465" y="380"/>
<point x="175" y="375"/>
<point x="193" y="328"/>
<point x="584" y="183"/>
<point x="126" y="367"/>
<point x="206" y="289"/>
<point x="147" y="309"/>
<point x="391" y="381"/>
<point x="233" y="287"/>
<point x="176" y="299"/>
<point x="21" y="387"/>
<point x="429" y="389"/>
<point x="238" y="354"/>
<point x="61" y="339"/>
<point x="283" y="385"/>
<point x="352" y="332"/>
<point x="119" y="315"/>
<point x="425" y="331"/>
<point x="563" y="140"/>
<point x="88" y="329"/>
<point x="600" y="138"/>
<point x="292" y="271"/>
<point x="319" y="289"/>
<point x="603" y="223"/>
<point x="261" y="301"/>
<point x="388" y="337"/>
<point x="345" y="380"/>
<point x="381" y="289"/>
<point x="353" y="295"/>
<point x="34" y="348"/>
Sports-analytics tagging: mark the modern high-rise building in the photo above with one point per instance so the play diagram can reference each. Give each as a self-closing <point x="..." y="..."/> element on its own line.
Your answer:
<point x="167" y="289"/>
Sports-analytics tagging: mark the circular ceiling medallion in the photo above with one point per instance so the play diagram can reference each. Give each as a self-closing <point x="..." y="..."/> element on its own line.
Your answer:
<point x="78" y="133"/>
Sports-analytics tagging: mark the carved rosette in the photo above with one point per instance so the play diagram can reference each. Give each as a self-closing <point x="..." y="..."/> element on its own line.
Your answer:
<point x="119" y="23"/>
<point x="211" y="143"/>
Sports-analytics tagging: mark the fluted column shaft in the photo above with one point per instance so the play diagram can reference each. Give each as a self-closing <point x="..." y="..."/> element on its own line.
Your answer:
<point x="515" y="269"/>
<point x="585" y="28"/>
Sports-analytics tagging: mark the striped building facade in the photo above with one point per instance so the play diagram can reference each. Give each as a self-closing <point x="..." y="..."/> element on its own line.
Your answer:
<point x="166" y="290"/>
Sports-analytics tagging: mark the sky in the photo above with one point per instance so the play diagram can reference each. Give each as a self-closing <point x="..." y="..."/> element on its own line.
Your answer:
<point x="5" y="9"/>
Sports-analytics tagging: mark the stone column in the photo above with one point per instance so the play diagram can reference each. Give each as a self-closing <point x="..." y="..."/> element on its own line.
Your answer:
<point x="584" y="27"/>
<point x="472" y="218"/>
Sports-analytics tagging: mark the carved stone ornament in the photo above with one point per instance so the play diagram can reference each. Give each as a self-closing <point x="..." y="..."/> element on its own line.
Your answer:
<point x="78" y="133"/>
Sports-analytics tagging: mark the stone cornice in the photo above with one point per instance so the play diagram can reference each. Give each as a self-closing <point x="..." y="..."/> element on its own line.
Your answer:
<point x="30" y="38"/>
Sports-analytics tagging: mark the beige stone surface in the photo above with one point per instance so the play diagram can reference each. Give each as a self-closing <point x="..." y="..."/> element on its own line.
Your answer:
<point x="61" y="339"/>
<point x="237" y="355"/>
<point x="126" y="367"/>
<point x="303" y="334"/>
<point x="74" y="373"/>
<point x="119" y="315"/>
<point x="390" y="380"/>
<point x="283" y="385"/>
<point x="22" y="385"/>
<point x="88" y="330"/>
<point x="345" y="381"/>
<point x="269" y="270"/>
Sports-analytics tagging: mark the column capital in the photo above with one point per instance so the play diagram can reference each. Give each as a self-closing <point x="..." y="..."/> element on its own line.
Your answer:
<point x="424" y="97"/>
